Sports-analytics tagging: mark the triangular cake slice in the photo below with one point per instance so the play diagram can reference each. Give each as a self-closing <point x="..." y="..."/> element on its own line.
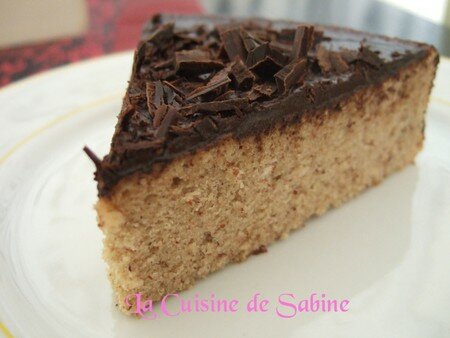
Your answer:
<point x="234" y="132"/>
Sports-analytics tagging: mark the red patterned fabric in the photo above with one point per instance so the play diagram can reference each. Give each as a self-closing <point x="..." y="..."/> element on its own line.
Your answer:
<point x="114" y="25"/>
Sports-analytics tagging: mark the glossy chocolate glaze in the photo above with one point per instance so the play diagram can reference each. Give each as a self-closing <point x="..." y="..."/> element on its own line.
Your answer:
<point x="199" y="79"/>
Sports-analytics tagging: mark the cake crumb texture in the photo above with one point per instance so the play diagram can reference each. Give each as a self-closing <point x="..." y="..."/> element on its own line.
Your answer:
<point x="165" y="230"/>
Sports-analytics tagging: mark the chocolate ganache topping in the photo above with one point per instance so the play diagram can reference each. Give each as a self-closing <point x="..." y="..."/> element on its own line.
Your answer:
<point x="196" y="80"/>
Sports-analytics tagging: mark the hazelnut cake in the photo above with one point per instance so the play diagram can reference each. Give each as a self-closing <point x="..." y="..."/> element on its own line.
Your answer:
<point x="233" y="132"/>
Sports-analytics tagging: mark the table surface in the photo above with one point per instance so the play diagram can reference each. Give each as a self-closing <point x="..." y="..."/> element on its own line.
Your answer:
<point x="115" y="26"/>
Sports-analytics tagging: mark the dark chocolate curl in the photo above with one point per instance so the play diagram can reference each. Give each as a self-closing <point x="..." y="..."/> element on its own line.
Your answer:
<point x="330" y="61"/>
<point x="92" y="156"/>
<point x="150" y="94"/>
<point x="195" y="61"/>
<point x="290" y="75"/>
<point x="170" y="118"/>
<point x="158" y="98"/>
<point x="250" y="42"/>
<point x="162" y="34"/>
<point x="265" y="60"/>
<point x="303" y="41"/>
<point x="233" y="44"/>
<point x="242" y="77"/>
<point x="159" y="115"/>
<point x="217" y="81"/>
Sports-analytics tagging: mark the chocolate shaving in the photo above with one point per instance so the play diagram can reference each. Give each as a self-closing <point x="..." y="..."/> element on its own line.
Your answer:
<point x="150" y="94"/>
<point x="159" y="114"/>
<point x="186" y="86"/>
<point x="162" y="34"/>
<point x="158" y="93"/>
<point x="331" y="61"/>
<point x="250" y="42"/>
<point x="174" y="88"/>
<point x="195" y="61"/>
<point x="217" y="81"/>
<point x="286" y="36"/>
<point x="158" y="98"/>
<point x="303" y="41"/>
<point x="242" y="77"/>
<point x="92" y="156"/>
<point x="170" y="118"/>
<point x="233" y="44"/>
<point x="265" y="60"/>
<point x="290" y="75"/>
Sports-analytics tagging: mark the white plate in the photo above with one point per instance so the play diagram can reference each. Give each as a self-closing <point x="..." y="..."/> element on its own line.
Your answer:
<point x="387" y="251"/>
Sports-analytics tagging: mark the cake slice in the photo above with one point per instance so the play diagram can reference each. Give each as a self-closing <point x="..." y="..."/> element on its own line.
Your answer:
<point x="233" y="132"/>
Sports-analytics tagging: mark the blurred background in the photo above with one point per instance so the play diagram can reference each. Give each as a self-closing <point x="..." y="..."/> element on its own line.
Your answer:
<point x="39" y="35"/>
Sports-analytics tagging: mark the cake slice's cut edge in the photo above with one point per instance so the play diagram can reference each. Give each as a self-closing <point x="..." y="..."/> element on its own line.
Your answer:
<point x="166" y="229"/>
